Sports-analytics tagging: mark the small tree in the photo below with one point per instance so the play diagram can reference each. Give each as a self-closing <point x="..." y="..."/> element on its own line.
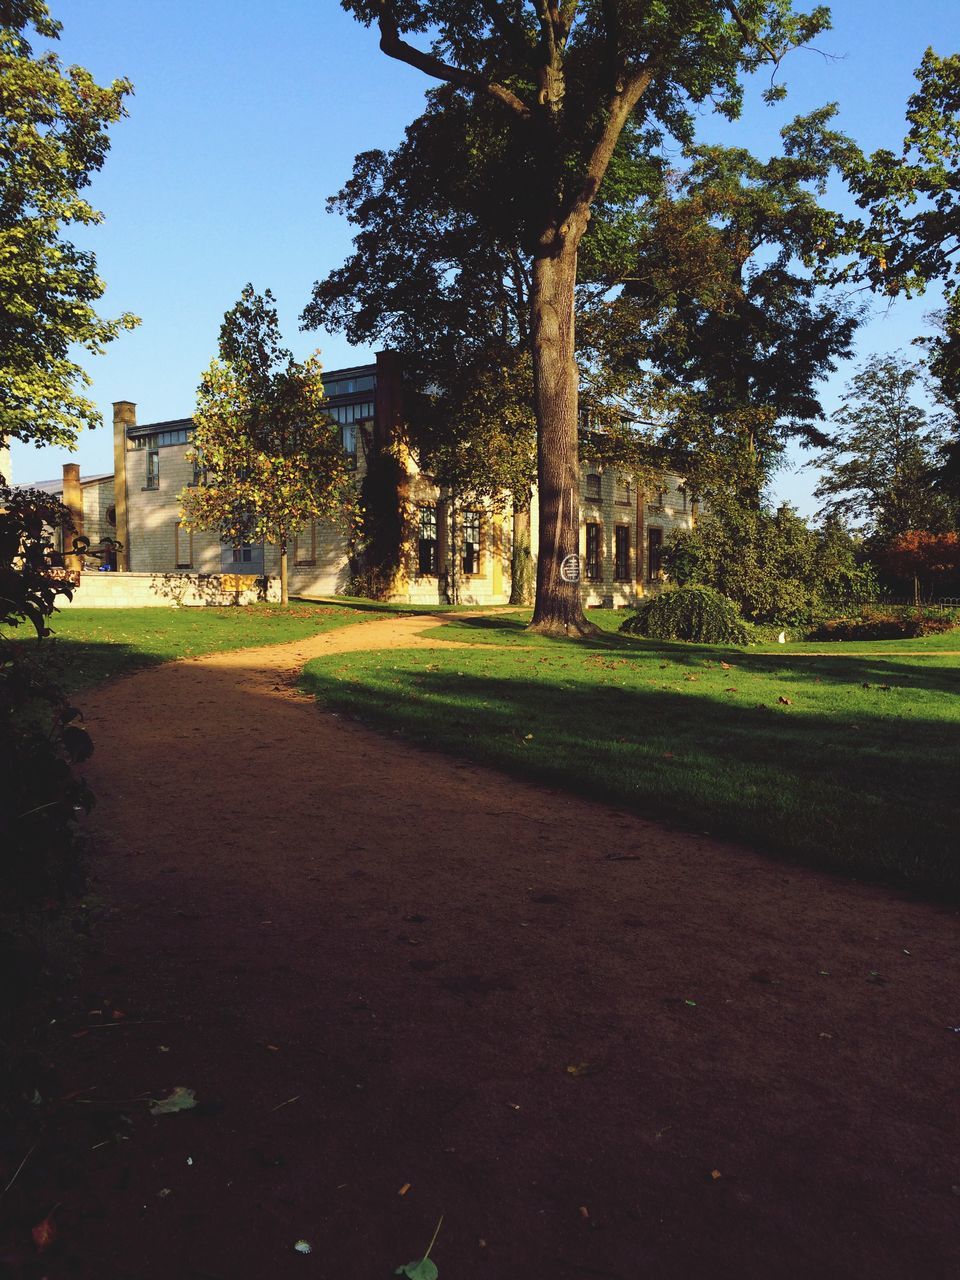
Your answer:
<point x="271" y="455"/>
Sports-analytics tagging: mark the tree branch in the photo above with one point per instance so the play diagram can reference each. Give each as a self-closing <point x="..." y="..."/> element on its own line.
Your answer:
<point x="619" y="107"/>
<point x="392" y="44"/>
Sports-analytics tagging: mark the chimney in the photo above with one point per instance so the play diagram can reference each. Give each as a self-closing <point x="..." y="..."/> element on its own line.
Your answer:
<point x="73" y="501"/>
<point x="124" y="416"/>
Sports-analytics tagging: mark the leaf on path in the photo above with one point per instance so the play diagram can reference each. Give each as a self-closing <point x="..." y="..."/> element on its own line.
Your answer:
<point x="44" y="1233"/>
<point x="578" y="1069"/>
<point x="180" y="1099"/>
<point x="424" y="1269"/>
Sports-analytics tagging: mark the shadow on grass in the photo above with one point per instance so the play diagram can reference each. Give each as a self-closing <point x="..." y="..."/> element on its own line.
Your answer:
<point x="929" y="671"/>
<point x="872" y="798"/>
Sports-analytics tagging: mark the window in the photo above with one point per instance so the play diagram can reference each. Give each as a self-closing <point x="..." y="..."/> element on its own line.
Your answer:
<point x="682" y="493"/>
<point x="305" y="544"/>
<point x="471" y="542"/>
<point x="183" y="540"/>
<point x="592" y="487"/>
<point x="654" y="553"/>
<point x="350" y="386"/>
<point x="159" y="439"/>
<point x="623" y="492"/>
<point x="348" y="439"/>
<point x="621" y="559"/>
<point x="152" y="479"/>
<point x="242" y="554"/>
<point x="344" y="413"/>
<point x="593" y="553"/>
<point x="427" y="542"/>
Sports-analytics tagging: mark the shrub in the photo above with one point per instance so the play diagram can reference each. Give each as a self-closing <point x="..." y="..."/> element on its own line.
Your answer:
<point x="40" y="795"/>
<point x="885" y="624"/>
<point x="688" y="613"/>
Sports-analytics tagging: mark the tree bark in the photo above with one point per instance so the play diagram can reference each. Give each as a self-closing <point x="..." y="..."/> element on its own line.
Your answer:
<point x="521" y="561"/>
<point x="558" y="609"/>
<point x="284" y="597"/>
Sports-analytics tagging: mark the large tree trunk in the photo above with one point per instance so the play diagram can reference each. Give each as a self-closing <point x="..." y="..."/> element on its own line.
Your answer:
<point x="284" y="596"/>
<point x="521" y="561"/>
<point x="558" y="610"/>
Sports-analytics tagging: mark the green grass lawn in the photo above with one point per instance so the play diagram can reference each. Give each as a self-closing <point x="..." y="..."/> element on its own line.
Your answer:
<point x="847" y="761"/>
<point x="92" y="645"/>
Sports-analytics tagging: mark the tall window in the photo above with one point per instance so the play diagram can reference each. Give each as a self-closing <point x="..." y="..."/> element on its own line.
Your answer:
<point x="593" y="553"/>
<point x="654" y="553"/>
<point x="305" y="544"/>
<point x="242" y="554"/>
<point x="153" y="469"/>
<point x="592" y="486"/>
<point x="348" y="438"/>
<point x="471" y="542"/>
<point x="621" y="558"/>
<point x="427" y="542"/>
<point x="623" y="491"/>
<point x="184" y="546"/>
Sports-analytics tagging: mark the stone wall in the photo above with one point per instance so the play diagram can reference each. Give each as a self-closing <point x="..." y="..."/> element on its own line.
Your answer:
<point x="166" y="590"/>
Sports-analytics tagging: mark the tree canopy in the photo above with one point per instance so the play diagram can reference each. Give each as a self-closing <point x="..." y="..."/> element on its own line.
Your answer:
<point x="563" y="106"/>
<point x="53" y="138"/>
<point x="271" y="456"/>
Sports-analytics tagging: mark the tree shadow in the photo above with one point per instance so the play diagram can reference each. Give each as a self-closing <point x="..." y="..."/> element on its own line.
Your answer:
<point x="854" y="797"/>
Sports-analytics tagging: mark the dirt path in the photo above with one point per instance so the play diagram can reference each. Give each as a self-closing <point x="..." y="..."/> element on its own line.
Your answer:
<point x="378" y="966"/>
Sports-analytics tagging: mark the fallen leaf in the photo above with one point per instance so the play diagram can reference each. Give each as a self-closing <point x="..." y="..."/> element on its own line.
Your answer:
<point x="584" y="1211"/>
<point x="303" y="1246"/>
<point x="715" y="1174"/>
<point x="730" y="690"/>
<point x="583" y="1069"/>
<point x="425" y="1269"/>
<point x="404" y="1189"/>
<point x="180" y="1099"/>
<point x="785" y="702"/>
<point x="44" y="1233"/>
<point x="726" y="666"/>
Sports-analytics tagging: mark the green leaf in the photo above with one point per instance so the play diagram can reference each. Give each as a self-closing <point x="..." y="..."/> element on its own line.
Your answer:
<point x="425" y="1269"/>
<point x="180" y="1099"/>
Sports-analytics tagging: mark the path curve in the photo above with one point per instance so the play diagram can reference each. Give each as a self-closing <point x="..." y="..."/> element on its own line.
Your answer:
<point x="404" y="985"/>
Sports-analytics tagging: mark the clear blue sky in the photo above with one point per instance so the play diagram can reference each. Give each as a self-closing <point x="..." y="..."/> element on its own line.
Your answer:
<point x="245" y="119"/>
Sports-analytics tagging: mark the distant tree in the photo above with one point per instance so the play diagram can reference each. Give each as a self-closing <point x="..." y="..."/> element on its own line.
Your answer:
<point x="272" y="457"/>
<point x="53" y="138"/>
<point x="909" y="236"/>
<point x="929" y="561"/>
<point x="877" y="468"/>
<point x="555" y="95"/>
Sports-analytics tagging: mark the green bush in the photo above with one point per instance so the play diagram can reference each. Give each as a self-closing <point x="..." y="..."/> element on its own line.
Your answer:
<point x="688" y="613"/>
<point x="772" y="564"/>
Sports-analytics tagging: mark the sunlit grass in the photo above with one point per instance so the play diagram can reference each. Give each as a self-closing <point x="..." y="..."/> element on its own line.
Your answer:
<point x="842" y="761"/>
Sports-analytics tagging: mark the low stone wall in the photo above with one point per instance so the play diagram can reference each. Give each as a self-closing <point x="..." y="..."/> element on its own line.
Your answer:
<point x="166" y="590"/>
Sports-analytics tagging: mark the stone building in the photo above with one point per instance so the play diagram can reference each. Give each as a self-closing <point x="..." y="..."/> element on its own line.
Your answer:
<point x="623" y="529"/>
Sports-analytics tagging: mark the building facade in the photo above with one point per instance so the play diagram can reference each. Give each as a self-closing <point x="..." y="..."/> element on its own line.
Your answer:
<point x="622" y="533"/>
